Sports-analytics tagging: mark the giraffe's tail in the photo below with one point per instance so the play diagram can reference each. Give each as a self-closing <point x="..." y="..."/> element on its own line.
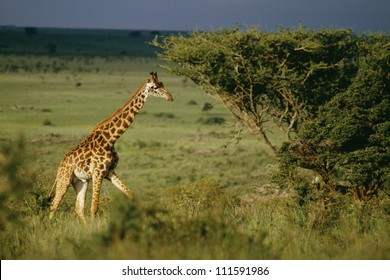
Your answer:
<point x="51" y="194"/>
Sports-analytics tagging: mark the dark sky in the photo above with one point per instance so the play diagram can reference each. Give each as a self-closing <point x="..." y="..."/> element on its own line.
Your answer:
<point x="359" y="15"/>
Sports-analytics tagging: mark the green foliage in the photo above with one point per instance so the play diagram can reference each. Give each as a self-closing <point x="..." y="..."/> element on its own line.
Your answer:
<point x="258" y="76"/>
<point x="12" y="188"/>
<point x="347" y="144"/>
<point x="13" y="183"/>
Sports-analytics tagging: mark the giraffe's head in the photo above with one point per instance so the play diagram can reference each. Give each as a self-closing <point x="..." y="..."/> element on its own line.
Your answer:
<point x="156" y="88"/>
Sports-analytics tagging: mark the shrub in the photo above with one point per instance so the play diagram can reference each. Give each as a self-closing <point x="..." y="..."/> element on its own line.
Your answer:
<point x="13" y="187"/>
<point x="212" y="120"/>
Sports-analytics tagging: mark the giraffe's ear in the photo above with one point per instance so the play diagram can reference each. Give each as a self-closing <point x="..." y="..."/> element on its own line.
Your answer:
<point x="154" y="76"/>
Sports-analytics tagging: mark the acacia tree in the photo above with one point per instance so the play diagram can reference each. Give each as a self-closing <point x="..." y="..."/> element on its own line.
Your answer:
<point x="328" y="90"/>
<point x="348" y="144"/>
<point x="258" y="76"/>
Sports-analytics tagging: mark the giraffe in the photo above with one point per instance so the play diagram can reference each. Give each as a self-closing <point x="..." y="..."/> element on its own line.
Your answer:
<point x="95" y="158"/>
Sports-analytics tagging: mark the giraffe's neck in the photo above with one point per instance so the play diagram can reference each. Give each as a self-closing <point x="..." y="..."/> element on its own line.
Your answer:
<point x="109" y="130"/>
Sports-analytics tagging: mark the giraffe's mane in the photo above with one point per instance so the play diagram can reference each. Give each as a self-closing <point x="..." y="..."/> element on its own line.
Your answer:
<point x="109" y="119"/>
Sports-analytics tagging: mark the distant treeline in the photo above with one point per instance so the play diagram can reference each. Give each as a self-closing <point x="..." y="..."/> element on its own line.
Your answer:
<point x="84" y="42"/>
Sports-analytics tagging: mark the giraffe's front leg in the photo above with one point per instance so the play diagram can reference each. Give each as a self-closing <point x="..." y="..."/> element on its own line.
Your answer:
<point x="112" y="177"/>
<point x="97" y="184"/>
<point x="81" y="189"/>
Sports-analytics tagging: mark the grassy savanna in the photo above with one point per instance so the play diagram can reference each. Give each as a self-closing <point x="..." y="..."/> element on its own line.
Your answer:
<point x="202" y="185"/>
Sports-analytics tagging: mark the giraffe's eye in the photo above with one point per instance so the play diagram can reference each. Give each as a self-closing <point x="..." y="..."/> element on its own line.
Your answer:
<point x="154" y="87"/>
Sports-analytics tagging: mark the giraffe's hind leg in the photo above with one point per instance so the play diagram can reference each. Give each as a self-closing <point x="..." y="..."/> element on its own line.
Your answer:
<point x="112" y="177"/>
<point x="61" y="189"/>
<point x="62" y="184"/>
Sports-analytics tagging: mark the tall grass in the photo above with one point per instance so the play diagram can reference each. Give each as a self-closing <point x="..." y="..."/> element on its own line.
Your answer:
<point x="200" y="220"/>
